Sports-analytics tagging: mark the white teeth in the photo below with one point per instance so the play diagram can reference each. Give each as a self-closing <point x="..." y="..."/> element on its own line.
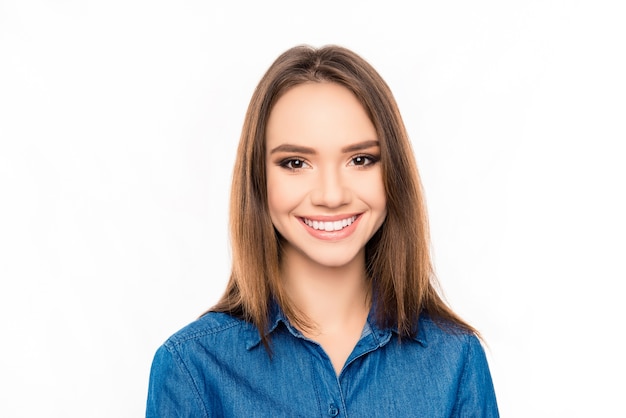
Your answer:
<point x="329" y="226"/>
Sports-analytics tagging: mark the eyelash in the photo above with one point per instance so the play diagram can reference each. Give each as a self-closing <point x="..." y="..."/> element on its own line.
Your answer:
<point x="372" y="160"/>
<point x="287" y="163"/>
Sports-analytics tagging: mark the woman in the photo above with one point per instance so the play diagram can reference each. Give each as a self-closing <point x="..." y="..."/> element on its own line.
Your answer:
<point x="331" y="308"/>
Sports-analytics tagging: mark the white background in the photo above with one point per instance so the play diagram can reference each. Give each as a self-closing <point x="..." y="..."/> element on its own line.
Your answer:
<point x="119" y="121"/>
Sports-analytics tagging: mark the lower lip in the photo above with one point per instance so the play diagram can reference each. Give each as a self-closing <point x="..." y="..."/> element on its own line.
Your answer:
<point x="332" y="235"/>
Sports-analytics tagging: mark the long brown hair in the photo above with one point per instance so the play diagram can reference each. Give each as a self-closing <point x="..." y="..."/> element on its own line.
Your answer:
<point x="398" y="260"/>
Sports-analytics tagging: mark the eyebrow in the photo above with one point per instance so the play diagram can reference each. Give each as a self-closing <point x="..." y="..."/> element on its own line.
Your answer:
<point x="360" y="146"/>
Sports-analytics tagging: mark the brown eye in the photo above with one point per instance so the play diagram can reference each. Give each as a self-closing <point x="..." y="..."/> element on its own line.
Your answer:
<point x="363" y="160"/>
<point x="293" y="164"/>
<point x="360" y="161"/>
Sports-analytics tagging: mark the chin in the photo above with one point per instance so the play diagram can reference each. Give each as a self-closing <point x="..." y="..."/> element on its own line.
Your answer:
<point x="334" y="260"/>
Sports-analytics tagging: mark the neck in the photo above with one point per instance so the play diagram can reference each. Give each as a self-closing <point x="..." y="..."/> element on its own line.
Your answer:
<point x="331" y="298"/>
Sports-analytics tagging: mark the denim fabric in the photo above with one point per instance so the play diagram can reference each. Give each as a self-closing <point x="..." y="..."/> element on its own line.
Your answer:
<point x="217" y="367"/>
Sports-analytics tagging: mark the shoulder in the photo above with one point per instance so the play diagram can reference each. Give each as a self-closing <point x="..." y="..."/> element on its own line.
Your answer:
<point x="185" y="363"/>
<point x="210" y="325"/>
<point x="446" y="334"/>
<point x="462" y="354"/>
<point x="216" y="336"/>
<point x="459" y="348"/>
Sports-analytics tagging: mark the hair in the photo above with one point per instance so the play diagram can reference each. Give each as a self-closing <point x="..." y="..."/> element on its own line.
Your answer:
<point x="397" y="257"/>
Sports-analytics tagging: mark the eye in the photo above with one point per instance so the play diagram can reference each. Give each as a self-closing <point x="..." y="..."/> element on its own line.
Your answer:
<point x="363" y="160"/>
<point x="293" y="164"/>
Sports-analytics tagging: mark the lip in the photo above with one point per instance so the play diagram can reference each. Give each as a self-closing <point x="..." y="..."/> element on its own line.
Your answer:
<point x="331" y="235"/>
<point x="331" y="218"/>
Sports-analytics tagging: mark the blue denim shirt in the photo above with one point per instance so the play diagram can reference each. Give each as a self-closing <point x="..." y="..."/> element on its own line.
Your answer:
<point x="218" y="367"/>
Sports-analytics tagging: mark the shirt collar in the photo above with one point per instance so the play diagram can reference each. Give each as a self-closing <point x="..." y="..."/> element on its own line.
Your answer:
<point x="276" y="316"/>
<point x="382" y="335"/>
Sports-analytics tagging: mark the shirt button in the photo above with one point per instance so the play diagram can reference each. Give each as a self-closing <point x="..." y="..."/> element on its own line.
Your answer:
<point x="333" y="411"/>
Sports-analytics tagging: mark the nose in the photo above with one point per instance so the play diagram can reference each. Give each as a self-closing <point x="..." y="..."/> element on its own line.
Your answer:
<point x="331" y="189"/>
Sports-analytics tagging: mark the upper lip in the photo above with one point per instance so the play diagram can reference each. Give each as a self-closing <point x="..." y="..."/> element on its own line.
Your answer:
<point x="330" y="218"/>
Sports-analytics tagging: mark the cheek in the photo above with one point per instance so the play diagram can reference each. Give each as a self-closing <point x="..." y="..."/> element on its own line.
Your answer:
<point x="283" y="195"/>
<point x="376" y="199"/>
<point x="274" y="193"/>
<point x="372" y="191"/>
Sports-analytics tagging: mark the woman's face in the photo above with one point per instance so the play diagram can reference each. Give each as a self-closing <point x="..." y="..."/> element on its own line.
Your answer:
<point x="325" y="189"/>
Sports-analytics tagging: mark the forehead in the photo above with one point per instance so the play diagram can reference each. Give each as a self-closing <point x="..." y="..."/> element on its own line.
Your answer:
<point x="315" y="112"/>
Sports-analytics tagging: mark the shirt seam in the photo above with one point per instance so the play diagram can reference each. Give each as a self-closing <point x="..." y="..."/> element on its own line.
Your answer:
<point x="178" y="340"/>
<point x="468" y="355"/>
<point x="181" y="364"/>
<point x="315" y="383"/>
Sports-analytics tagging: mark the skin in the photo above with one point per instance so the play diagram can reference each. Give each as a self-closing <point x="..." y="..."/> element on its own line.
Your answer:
<point x="323" y="174"/>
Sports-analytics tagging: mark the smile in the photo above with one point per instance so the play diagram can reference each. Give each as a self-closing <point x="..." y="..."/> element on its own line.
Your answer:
<point x="329" y="226"/>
